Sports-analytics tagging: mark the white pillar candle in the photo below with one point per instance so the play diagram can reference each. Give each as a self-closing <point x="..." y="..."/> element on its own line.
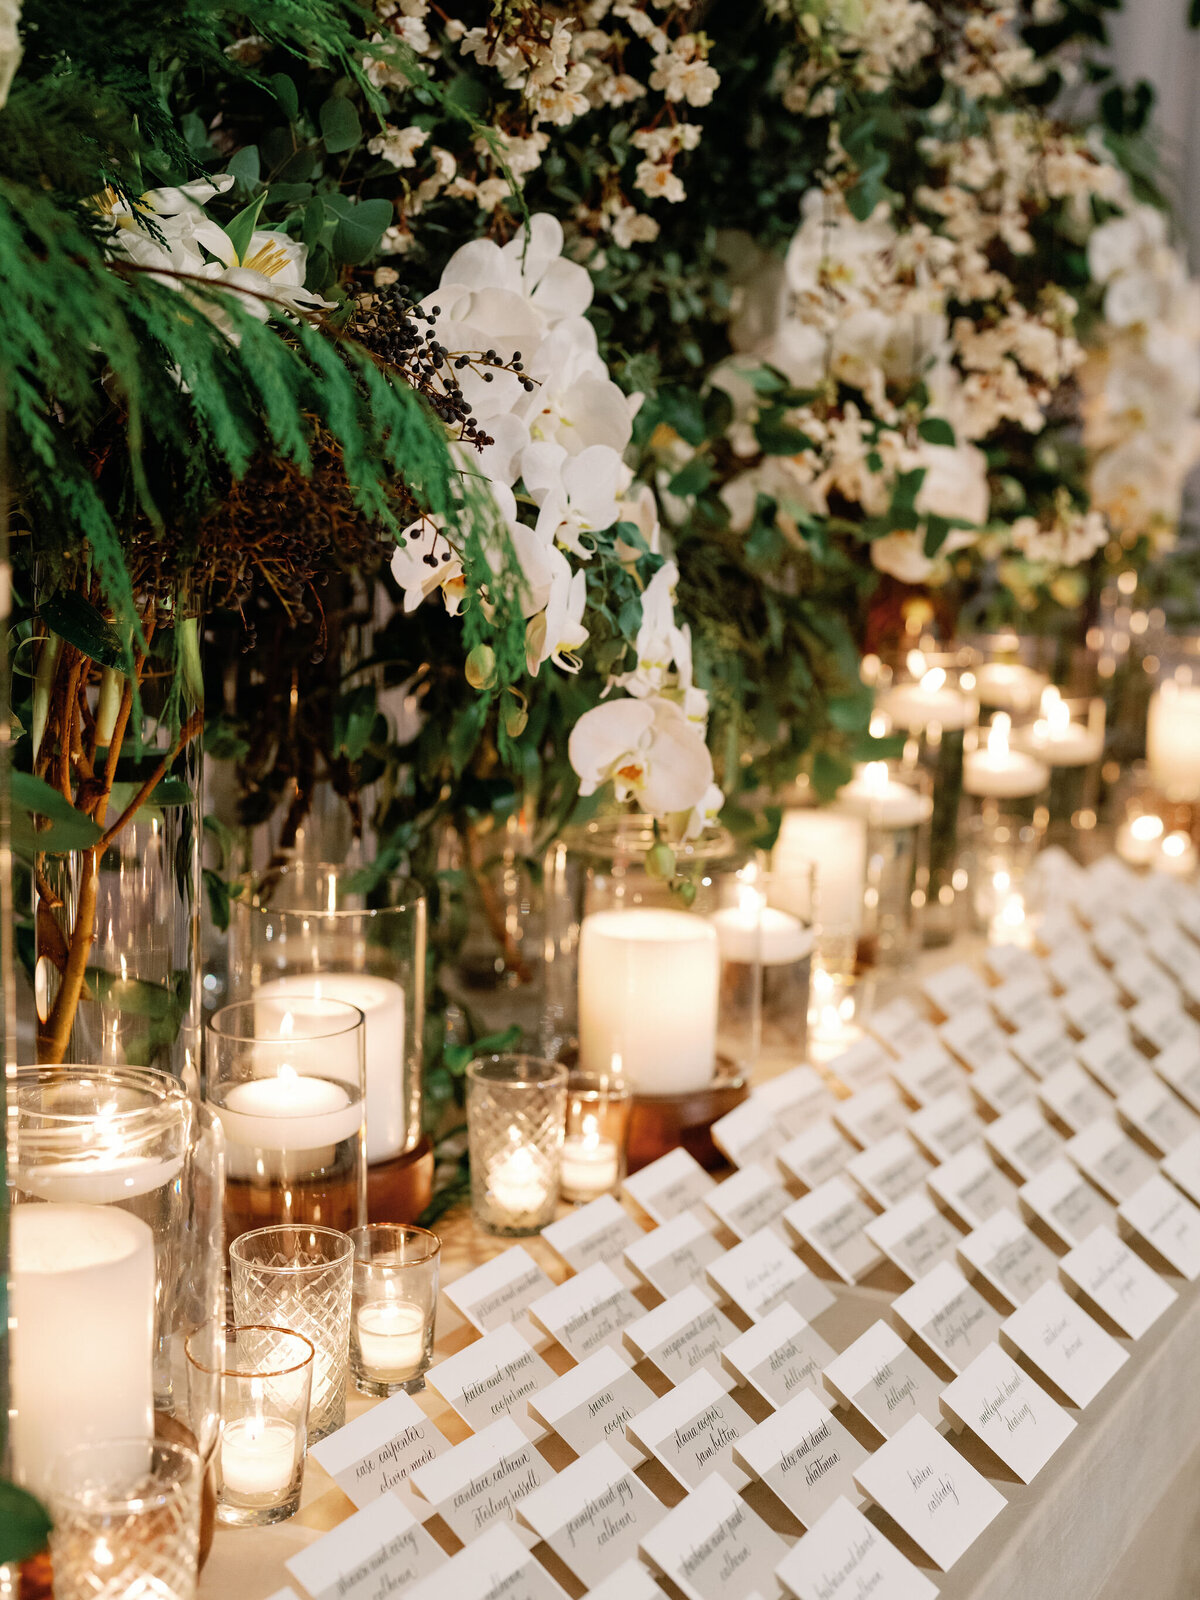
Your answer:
<point x="519" y="1182"/>
<point x="1001" y="773"/>
<point x="1055" y="739"/>
<point x="648" y="982"/>
<point x="591" y="1164"/>
<point x="1139" y="839"/>
<point x="881" y="801"/>
<point x="837" y="844"/>
<point x="258" y="1456"/>
<point x="1173" y="740"/>
<point x="1009" y="686"/>
<point x="382" y="1004"/>
<point x="1177" y="856"/>
<point x="391" y="1338"/>
<point x="754" y="932"/>
<point x="930" y="702"/>
<point x="82" y="1326"/>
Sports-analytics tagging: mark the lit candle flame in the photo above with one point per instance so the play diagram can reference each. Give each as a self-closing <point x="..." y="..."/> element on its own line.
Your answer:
<point x="997" y="744"/>
<point x="875" y="778"/>
<point x="915" y="662"/>
<point x="934" y="680"/>
<point x="1146" y="828"/>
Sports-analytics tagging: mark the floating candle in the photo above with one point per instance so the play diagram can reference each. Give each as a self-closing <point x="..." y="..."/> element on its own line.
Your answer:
<point x="1001" y="773"/>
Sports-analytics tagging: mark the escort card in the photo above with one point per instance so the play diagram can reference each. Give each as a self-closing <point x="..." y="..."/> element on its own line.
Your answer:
<point x="901" y="1027"/>
<point x="762" y="1273"/>
<point x="915" y="1235"/>
<point x="1002" y="1084"/>
<point x="599" y="1231"/>
<point x="1008" y="961"/>
<point x="819" y="1153"/>
<point x="794" y="1098"/>
<point x="1158" y="1114"/>
<point x="1162" y="1021"/>
<point x="1091" y="1007"/>
<point x="286" y="1593"/>
<point x="376" y="1452"/>
<point x="804" y="1455"/>
<point x="1112" y="1058"/>
<point x="683" y="1335"/>
<point x="1013" y="1415"/>
<point x="1143" y="981"/>
<point x="1129" y="1292"/>
<point x="692" y="1430"/>
<point x="1024" y="1002"/>
<point x="923" y="1483"/>
<point x="1073" y="1097"/>
<point x="1064" y="1343"/>
<point x="492" y="1378"/>
<point x="1007" y="1255"/>
<point x="890" y="1169"/>
<point x="672" y="1256"/>
<point x="1169" y="1222"/>
<point x="871" y="1114"/>
<point x="845" y="1557"/>
<point x="377" y="1551"/>
<point x="587" y="1311"/>
<point x="1042" y="1046"/>
<point x="778" y="1356"/>
<point x="494" y="1567"/>
<point x="1114" y="936"/>
<point x="865" y="1063"/>
<point x="884" y="1381"/>
<point x="1024" y="1140"/>
<point x="975" y="1037"/>
<point x="830" y="1221"/>
<point x="499" y="1291"/>
<point x="748" y="1133"/>
<point x="1073" y="965"/>
<point x="713" y="1546"/>
<point x="1182" y="1166"/>
<point x="946" y="1124"/>
<point x="927" y="1072"/>
<point x="479" y="1481"/>
<point x="592" y="1514"/>
<point x="972" y="1186"/>
<point x="951" y="1317"/>
<point x="591" y="1404"/>
<point x="1176" y="954"/>
<point x="955" y="988"/>
<point x="673" y="1183"/>
<point x="1179" y="1065"/>
<point x="1109" y="1157"/>
<point x="748" y="1200"/>
<point x="631" y="1581"/>
<point x="1062" y="1198"/>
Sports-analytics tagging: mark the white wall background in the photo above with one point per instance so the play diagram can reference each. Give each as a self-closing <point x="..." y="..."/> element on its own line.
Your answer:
<point x="1151" y="40"/>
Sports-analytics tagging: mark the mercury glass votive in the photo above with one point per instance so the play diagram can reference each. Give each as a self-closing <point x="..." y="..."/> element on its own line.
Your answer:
<point x="516" y="1116"/>
<point x="395" y="1304"/>
<point x="597" y="1127"/>
<point x="301" y="1278"/>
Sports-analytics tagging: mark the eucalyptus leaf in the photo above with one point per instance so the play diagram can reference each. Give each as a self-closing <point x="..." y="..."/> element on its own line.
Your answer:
<point x="340" y="125"/>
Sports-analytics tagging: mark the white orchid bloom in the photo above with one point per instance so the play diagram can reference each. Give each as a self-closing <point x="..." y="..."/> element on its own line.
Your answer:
<point x="534" y="555"/>
<point x="641" y="509"/>
<point x="267" y="277"/>
<point x="556" y="287"/>
<point x="427" y="561"/>
<point x="575" y="494"/>
<point x="557" y="633"/>
<point x="474" y="318"/>
<point x="575" y="403"/>
<point x="705" y="813"/>
<point x="167" y="228"/>
<point x="657" y="635"/>
<point x="649" y="751"/>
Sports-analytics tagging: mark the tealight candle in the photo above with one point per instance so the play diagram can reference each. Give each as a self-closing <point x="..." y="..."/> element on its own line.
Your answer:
<point x="391" y="1339"/>
<point x="1060" y="741"/>
<point x="1001" y="773"/>
<point x="289" y="1111"/>
<point x="1009" y="686"/>
<point x="929" y="702"/>
<point x="518" y="1182"/>
<point x="591" y="1164"/>
<point x="1173" y="740"/>
<point x="754" y="931"/>
<point x="882" y="801"/>
<point x="258" y="1456"/>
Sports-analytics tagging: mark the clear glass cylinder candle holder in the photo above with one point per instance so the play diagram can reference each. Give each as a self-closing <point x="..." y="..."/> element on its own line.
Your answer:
<point x="516" y="1116"/>
<point x="116" y="1258"/>
<point x="1173" y="717"/>
<point x="894" y="804"/>
<point x="1001" y="779"/>
<point x="301" y="1278"/>
<point x="597" y="1128"/>
<point x="634" y="957"/>
<point x="286" y="1078"/>
<point x="126" y="1516"/>
<point x="306" y="929"/>
<point x="766" y="935"/>
<point x="1068" y="737"/>
<point x="998" y="858"/>
<point x="1012" y="673"/>
<point x="395" y="1306"/>
<point x="266" y="1381"/>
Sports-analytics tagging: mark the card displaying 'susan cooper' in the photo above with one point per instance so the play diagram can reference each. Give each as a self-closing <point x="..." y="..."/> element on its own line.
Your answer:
<point x="672" y="1256"/>
<point x="972" y="1186"/>
<point x="479" y="1481"/>
<point x="1064" y="1343"/>
<point x="492" y="1378"/>
<point x="713" y="1546"/>
<point x="374" y="1454"/>
<point x="1169" y="1222"/>
<point x="592" y="1403"/>
<point x="1127" y="1291"/>
<point x="762" y="1273"/>
<point x="1006" y="1254"/>
<point x="830" y="1221"/>
<point x="500" y="1291"/>
<point x="804" y="1455"/>
<point x="915" y="1235"/>
<point x="845" y="1557"/>
<point x="748" y="1200"/>
<point x="600" y="1231"/>
<point x="885" y="1381"/>
<point x="496" y="1566"/>
<point x="674" y="1183"/>
<point x="592" y="1514"/>
<point x="1008" y="1411"/>
<point x="692" y="1430"/>
<point x="589" y="1310"/>
<point x="684" y="1334"/>
<point x="948" y="1315"/>
<point x="779" y="1356"/>
<point x="379" y="1550"/>
<point x="1062" y="1198"/>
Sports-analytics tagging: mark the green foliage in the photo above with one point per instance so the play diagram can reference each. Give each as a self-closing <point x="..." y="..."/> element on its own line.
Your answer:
<point x="24" y="1523"/>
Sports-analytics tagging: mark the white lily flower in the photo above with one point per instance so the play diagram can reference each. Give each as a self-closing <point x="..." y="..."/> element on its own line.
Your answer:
<point x="575" y="494"/>
<point x="268" y="276"/>
<point x="649" y="751"/>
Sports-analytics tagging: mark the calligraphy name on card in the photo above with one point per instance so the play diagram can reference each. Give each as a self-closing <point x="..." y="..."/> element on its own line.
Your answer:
<point x="592" y="1404"/>
<point x="1155" y="1111"/>
<point x="946" y="1125"/>
<point x="1024" y="1002"/>
<point x="1109" y="1157"/>
<point x="1008" y="961"/>
<point x="1179" y="1065"/>
<point x="901" y="1027"/>
<point x="1112" y="1058"/>
<point x="1114" y="936"/>
<point x="1091" y="1007"/>
<point x="1043" y="1047"/>
<point x="864" y="1063"/>
<point x="1144" y="982"/>
<point x="496" y="1566"/>
<point x="592" y="1514"/>
<point x="713" y="1546"/>
<point x="1024" y="1140"/>
<point x="871" y="1114"/>
<point x="670" y="1257"/>
<point x="804" y="1455"/>
<point x="779" y="1356"/>
<point x="492" y="1378"/>
<point x="692" y="1430"/>
<point x="819" y="1153"/>
<point x="681" y="1336"/>
<point x="975" y="1037"/>
<point x="831" y="1221"/>
<point x="1182" y="1166"/>
<point x="1161" y="1021"/>
<point x="673" y="1183"/>
<point x="845" y="1557"/>
<point x="951" y="1317"/>
<point x="1002" y="1084"/>
<point x="762" y="1273"/>
<point x="955" y="988"/>
<point x="1169" y="1222"/>
<point x="587" y="1311"/>
<point x="1073" y="1097"/>
<point x="748" y="1133"/>
<point x="748" y="1200"/>
<point x="1126" y="1290"/>
<point x="915" y="1235"/>
<point x="1061" y="1197"/>
<point x="1064" y="1343"/>
<point x="972" y="1185"/>
<point x="794" y="1098"/>
<point x="499" y="1291"/>
<point x="927" y="1072"/>
<point x="479" y="1481"/>
<point x="600" y="1231"/>
<point x="1073" y="965"/>
<point x="884" y="1380"/>
<point x="1008" y="1411"/>
<point x="890" y="1169"/>
<point x="376" y="1452"/>
<point x="1007" y="1255"/>
<point x="378" y="1550"/>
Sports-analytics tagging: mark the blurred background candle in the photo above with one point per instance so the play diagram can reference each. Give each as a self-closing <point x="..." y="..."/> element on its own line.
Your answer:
<point x="1173" y="739"/>
<point x="766" y="962"/>
<point x="1139" y="839"/>
<point x="998" y="771"/>
<point x="1068" y="735"/>
<point x="837" y="843"/>
<point x="896" y="808"/>
<point x="1009" y="686"/>
<point x="932" y="699"/>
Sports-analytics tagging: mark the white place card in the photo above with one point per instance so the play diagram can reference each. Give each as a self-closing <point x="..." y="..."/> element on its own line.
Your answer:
<point x="804" y="1455"/>
<point x="1144" y="982"/>
<point x="1179" y="1065"/>
<point x="1109" y="1157"/>
<point x="1182" y="1166"/>
<point x="1064" y="1343"/>
<point x="379" y="1550"/>
<point x="1176" y="954"/>
<point x="819" y="1153"/>
<point x="600" y="1231"/>
<point x="915" y="1235"/>
<point x="794" y="1098"/>
<point x="492" y="1378"/>
<point x="1062" y="1198"/>
<point x="1112" y="1058"/>
<point x="1008" y="961"/>
<point x="830" y="1221"/>
<point x="778" y="1356"/>
<point x="1024" y="1140"/>
<point x="1002" y="1084"/>
<point x="885" y="1381"/>
<point x="1073" y="1097"/>
<point x="673" y="1183"/>
<point x="1058" y="928"/>
<point x="376" y="1452"/>
<point x="1006" y="1254"/>
<point x="750" y="1132"/>
<point x="587" y="1311"/>
<point x="871" y="1114"/>
<point x="1185" y="905"/>
<point x="286" y="1593"/>
<point x="1024" y="1002"/>
<point x="975" y="1037"/>
<point x="713" y="1546"/>
<point x="496" y="1566"/>
<point x="955" y="988"/>
<point x="845" y="1557"/>
<point x="591" y="1404"/>
<point x="748" y="1200"/>
<point x="631" y="1581"/>
<point x="1162" y="1021"/>
<point x="592" y="1514"/>
<point x="1129" y="1292"/>
<point x="927" y="1072"/>
<point x="946" y="1125"/>
<point x="891" y="1169"/>
<point x="1072" y="965"/>
<point x="864" y="1063"/>
<point x="1013" y="1415"/>
<point x="950" y="1316"/>
<point x="762" y="1273"/>
<point x="479" y="1481"/>
<point x="902" y="1027"/>
<point x="1091" y="1007"/>
<point x="692" y="1430"/>
<point x="499" y="1291"/>
<point x="1155" y="1111"/>
<point x="1168" y="1221"/>
<point x="936" y="1496"/>
<point x="683" y="1335"/>
<point x="1043" y="1047"/>
<point x="972" y="1186"/>
<point x="670" y="1257"/>
<point x="1114" y="936"/>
